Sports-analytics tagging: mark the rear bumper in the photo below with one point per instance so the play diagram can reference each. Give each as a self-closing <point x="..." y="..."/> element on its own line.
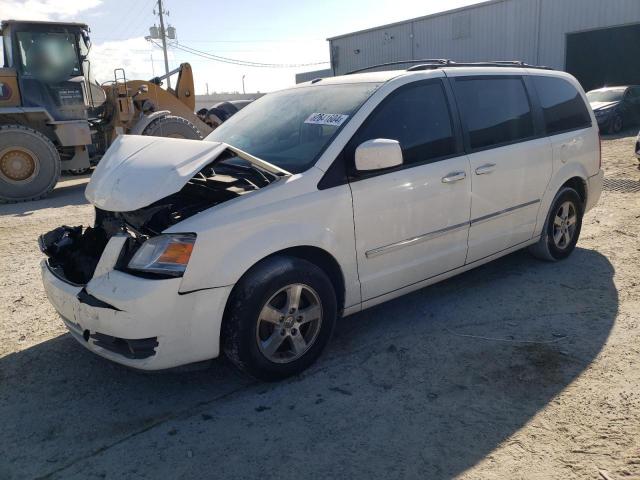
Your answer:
<point x="141" y="323"/>
<point x="594" y="190"/>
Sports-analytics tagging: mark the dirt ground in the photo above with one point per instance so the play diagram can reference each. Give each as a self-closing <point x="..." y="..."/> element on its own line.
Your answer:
<point x="516" y="370"/>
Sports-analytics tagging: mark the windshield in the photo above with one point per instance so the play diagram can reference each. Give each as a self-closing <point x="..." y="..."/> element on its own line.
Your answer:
<point x="610" y="95"/>
<point x="291" y="128"/>
<point x="49" y="56"/>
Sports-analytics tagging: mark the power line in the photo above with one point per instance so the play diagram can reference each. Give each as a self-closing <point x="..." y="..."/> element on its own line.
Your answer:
<point x="234" y="61"/>
<point x="124" y="27"/>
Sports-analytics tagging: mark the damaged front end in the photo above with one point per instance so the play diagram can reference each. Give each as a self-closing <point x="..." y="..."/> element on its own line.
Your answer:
<point x="74" y="252"/>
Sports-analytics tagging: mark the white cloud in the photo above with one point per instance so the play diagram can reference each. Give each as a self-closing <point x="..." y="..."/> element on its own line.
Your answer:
<point x="45" y="9"/>
<point x="133" y="54"/>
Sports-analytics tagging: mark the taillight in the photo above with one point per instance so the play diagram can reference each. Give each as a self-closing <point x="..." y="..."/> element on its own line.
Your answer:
<point x="599" y="151"/>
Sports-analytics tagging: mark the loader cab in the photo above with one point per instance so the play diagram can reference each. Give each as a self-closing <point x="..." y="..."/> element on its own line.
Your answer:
<point x="49" y="61"/>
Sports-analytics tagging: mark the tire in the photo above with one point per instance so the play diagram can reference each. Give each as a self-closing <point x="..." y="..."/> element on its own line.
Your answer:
<point x="616" y="124"/>
<point x="257" y="315"/>
<point x="548" y="247"/>
<point x="173" y="127"/>
<point x="29" y="164"/>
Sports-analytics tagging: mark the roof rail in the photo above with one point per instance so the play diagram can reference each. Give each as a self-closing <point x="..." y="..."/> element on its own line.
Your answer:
<point x="432" y="64"/>
<point x="439" y="61"/>
<point x="493" y="63"/>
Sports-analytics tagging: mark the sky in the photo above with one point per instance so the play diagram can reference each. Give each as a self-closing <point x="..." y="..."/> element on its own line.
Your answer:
<point x="275" y="32"/>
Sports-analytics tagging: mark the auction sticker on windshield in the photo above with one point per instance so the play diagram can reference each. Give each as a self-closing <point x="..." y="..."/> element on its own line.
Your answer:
<point x="334" y="119"/>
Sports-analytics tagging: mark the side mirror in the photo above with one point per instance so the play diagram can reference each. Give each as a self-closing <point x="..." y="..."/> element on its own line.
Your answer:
<point x="378" y="154"/>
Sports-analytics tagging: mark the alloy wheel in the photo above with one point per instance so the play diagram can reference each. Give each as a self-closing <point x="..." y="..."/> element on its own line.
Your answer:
<point x="564" y="225"/>
<point x="289" y="323"/>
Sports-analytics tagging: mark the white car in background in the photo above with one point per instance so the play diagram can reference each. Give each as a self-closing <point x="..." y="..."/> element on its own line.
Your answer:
<point x="317" y="202"/>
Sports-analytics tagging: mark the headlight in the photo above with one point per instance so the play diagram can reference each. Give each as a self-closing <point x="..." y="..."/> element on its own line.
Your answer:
<point x="601" y="113"/>
<point x="164" y="254"/>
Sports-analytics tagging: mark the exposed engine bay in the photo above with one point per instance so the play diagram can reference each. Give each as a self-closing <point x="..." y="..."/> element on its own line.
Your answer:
<point x="74" y="252"/>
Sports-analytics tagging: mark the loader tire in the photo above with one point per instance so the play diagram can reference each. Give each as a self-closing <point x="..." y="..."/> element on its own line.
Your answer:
<point x="173" y="127"/>
<point x="29" y="164"/>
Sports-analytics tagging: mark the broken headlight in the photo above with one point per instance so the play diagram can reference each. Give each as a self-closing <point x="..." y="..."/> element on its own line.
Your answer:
<point x="165" y="254"/>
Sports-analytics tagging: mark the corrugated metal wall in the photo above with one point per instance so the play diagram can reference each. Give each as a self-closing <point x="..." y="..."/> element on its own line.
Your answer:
<point x="560" y="17"/>
<point x="529" y="30"/>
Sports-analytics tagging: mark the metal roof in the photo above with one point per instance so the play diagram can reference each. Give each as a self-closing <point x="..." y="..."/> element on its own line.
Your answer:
<point x="431" y="15"/>
<point x="42" y="22"/>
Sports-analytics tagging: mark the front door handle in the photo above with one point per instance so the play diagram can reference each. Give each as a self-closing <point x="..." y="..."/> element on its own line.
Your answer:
<point x="485" y="169"/>
<point x="454" y="177"/>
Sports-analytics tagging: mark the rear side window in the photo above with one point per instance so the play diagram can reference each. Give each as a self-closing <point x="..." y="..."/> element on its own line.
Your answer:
<point x="495" y="110"/>
<point x="418" y="117"/>
<point x="562" y="106"/>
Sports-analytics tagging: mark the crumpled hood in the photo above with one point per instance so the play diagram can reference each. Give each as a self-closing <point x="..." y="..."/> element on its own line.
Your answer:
<point x="595" y="106"/>
<point x="138" y="170"/>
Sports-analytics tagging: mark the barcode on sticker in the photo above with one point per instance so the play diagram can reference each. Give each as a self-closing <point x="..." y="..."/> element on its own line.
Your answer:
<point x="334" y="119"/>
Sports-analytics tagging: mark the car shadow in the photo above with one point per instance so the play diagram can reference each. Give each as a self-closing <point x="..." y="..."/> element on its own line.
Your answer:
<point x="67" y="193"/>
<point x="424" y="386"/>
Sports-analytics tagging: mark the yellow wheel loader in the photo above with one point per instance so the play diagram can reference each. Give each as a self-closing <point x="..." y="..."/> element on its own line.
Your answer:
<point x="54" y="118"/>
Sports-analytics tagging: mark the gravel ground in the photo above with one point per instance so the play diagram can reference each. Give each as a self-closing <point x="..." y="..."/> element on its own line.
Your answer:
<point x="518" y="369"/>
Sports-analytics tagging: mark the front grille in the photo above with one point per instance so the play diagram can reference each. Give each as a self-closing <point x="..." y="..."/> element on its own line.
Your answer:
<point x="621" y="185"/>
<point x="134" y="349"/>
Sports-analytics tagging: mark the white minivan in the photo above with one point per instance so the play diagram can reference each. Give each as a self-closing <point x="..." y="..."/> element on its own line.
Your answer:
<point x="317" y="202"/>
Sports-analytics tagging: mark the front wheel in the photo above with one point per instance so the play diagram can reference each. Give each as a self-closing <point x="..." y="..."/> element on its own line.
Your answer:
<point x="562" y="230"/>
<point x="279" y="318"/>
<point x="173" y="127"/>
<point x="29" y="164"/>
<point x="616" y="124"/>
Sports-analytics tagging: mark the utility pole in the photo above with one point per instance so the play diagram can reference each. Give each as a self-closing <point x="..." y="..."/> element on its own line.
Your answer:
<point x="163" y="36"/>
<point x="243" y="84"/>
<point x="162" y="33"/>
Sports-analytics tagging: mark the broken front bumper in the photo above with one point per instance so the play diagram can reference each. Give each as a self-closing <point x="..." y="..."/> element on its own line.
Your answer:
<point x="138" y="322"/>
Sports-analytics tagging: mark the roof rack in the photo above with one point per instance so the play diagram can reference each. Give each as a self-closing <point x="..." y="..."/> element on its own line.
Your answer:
<point x="432" y="64"/>
<point x="440" y="61"/>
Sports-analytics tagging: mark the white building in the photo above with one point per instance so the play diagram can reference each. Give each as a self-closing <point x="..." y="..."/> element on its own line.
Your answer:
<point x="596" y="40"/>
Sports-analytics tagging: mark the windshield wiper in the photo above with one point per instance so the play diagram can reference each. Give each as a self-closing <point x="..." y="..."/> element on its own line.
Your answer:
<point x="258" y="162"/>
<point x="264" y="174"/>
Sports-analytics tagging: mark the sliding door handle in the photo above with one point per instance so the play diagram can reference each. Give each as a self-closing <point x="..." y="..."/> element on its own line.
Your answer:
<point x="484" y="169"/>
<point x="454" y="177"/>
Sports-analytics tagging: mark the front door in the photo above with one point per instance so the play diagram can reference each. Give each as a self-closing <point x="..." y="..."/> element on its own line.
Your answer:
<point x="411" y="223"/>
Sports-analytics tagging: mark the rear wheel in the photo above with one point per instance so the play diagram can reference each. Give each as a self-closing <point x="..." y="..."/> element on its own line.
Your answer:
<point x="279" y="318"/>
<point x="562" y="229"/>
<point x="173" y="127"/>
<point x="29" y="164"/>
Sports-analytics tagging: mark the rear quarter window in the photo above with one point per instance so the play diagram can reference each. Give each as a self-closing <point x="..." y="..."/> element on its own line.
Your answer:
<point x="562" y="105"/>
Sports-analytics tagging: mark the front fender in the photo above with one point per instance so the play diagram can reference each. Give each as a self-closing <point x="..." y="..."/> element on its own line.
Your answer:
<point x="232" y="239"/>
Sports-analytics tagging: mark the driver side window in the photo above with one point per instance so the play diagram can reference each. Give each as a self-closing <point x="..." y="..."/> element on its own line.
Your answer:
<point x="417" y="116"/>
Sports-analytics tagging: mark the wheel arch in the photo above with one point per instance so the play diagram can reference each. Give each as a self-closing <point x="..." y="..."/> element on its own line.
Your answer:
<point x="321" y="258"/>
<point x="579" y="185"/>
<point x="35" y="119"/>
<point x="573" y="176"/>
